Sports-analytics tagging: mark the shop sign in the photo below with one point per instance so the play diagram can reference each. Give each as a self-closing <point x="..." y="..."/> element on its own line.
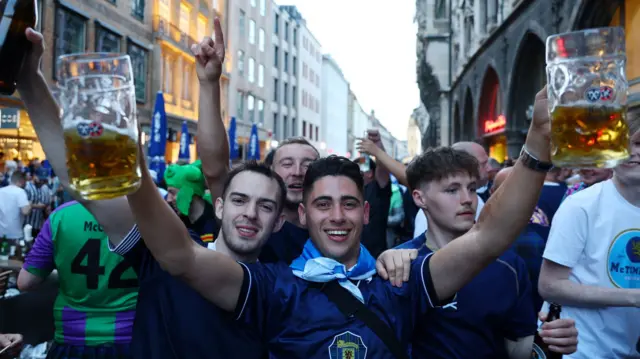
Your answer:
<point x="494" y="126"/>
<point x="10" y="118"/>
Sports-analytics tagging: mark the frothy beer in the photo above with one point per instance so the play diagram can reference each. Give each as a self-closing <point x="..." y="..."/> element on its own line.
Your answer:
<point x="589" y="135"/>
<point x="101" y="159"/>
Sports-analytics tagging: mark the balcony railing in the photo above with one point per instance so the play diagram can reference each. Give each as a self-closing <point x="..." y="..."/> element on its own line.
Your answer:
<point x="165" y="29"/>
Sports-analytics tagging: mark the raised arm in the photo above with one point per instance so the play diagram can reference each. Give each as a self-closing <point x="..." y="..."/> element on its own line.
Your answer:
<point x="113" y="215"/>
<point x="212" y="144"/>
<point x="216" y="276"/>
<point x="503" y="217"/>
<point x="388" y="164"/>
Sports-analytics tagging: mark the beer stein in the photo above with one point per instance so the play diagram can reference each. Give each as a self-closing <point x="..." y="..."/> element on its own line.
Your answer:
<point x="587" y="90"/>
<point x="96" y="94"/>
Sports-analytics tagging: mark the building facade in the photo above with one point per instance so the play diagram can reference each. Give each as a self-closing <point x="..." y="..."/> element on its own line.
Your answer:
<point x="249" y="57"/>
<point x="335" y="108"/>
<point x="357" y="124"/>
<point x="498" y="61"/>
<point x="71" y="26"/>
<point x="414" y="137"/>
<point x="285" y="99"/>
<point x="309" y="92"/>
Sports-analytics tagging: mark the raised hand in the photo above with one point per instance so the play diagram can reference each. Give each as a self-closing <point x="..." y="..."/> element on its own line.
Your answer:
<point x="209" y="55"/>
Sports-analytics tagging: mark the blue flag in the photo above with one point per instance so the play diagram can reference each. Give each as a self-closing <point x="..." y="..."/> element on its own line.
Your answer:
<point x="185" y="140"/>
<point x="158" y="140"/>
<point x="254" y="144"/>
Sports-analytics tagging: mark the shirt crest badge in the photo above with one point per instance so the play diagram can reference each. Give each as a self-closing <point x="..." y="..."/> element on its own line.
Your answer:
<point x="347" y="346"/>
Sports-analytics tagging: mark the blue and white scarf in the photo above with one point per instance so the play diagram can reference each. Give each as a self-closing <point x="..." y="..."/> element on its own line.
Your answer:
<point x="313" y="267"/>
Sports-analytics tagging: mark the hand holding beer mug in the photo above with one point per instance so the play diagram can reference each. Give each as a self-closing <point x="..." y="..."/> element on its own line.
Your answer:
<point x="587" y="90"/>
<point x="97" y="96"/>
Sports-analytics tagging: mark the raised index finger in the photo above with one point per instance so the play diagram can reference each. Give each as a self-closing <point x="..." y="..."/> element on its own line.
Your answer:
<point x="218" y="30"/>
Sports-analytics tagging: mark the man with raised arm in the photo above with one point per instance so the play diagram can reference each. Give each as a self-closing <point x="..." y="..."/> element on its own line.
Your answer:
<point x="297" y="319"/>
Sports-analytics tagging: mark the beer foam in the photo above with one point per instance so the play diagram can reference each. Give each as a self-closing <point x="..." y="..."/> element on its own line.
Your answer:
<point x="72" y="125"/>
<point x="585" y="103"/>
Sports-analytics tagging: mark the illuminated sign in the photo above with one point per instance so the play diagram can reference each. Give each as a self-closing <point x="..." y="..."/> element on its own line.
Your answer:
<point x="497" y="125"/>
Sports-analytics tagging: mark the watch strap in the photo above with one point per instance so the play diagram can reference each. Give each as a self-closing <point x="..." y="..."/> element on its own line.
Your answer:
<point x="533" y="163"/>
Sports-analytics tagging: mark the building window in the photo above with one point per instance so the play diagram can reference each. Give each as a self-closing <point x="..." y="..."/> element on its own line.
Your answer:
<point x="294" y="129"/>
<point x="139" y="65"/>
<point x="276" y="23"/>
<point x="295" y="37"/>
<point x="186" y="82"/>
<point x="252" y="64"/>
<point x="167" y="74"/>
<point x="241" y="22"/>
<point x="261" y="111"/>
<point x="250" y="103"/>
<point x="260" y="75"/>
<point x="304" y="128"/>
<point x="286" y="61"/>
<point x="304" y="70"/>
<point x="440" y="10"/>
<point x="241" y="63"/>
<point x="286" y="31"/>
<point x="316" y="133"/>
<point x="137" y="9"/>
<point x="240" y="109"/>
<point x="304" y="98"/>
<point x="285" y="94"/>
<point x="261" y="39"/>
<point x="317" y="80"/>
<point x="275" y="126"/>
<point x="263" y="7"/>
<point x="310" y="131"/>
<point x="70" y="34"/>
<point x="294" y="66"/>
<point x="202" y="28"/>
<point x="294" y="96"/>
<point x="185" y="18"/>
<point x="275" y="90"/>
<point x="107" y="40"/>
<point x="252" y="32"/>
<point x="285" y="127"/>
<point x="275" y="56"/>
<point x="163" y="8"/>
<point x="254" y="3"/>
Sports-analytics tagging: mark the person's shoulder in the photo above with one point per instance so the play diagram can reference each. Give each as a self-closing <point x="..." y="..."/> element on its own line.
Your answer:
<point x="418" y="243"/>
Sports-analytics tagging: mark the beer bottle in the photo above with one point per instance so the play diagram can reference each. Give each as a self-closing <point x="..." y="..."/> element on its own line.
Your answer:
<point x="17" y="16"/>
<point x="540" y="348"/>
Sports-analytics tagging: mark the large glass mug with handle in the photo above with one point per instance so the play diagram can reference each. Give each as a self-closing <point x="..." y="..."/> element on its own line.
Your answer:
<point x="587" y="90"/>
<point x="96" y="94"/>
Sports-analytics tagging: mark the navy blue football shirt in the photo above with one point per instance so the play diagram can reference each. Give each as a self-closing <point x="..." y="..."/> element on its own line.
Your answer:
<point x="173" y="320"/>
<point x="495" y="305"/>
<point x="299" y="321"/>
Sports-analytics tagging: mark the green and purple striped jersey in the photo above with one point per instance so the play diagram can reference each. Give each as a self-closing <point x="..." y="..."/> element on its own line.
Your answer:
<point x="98" y="289"/>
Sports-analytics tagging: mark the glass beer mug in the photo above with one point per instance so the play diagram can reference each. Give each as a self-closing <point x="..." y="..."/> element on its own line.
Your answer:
<point x="97" y="98"/>
<point x="587" y="90"/>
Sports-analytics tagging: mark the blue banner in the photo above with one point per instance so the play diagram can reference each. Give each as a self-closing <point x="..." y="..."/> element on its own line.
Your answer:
<point x="233" y="140"/>
<point x="254" y="144"/>
<point x="158" y="140"/>
<point x="185" y="140"/>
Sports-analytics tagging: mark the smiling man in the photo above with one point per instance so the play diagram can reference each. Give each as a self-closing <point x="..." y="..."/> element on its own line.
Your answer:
<point x="299" y="319"/>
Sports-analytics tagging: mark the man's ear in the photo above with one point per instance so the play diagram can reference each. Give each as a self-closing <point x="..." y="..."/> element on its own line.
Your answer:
<point x="302" y="214"/>
<point x="419" y="198"/>
<point x="219" y="207"/>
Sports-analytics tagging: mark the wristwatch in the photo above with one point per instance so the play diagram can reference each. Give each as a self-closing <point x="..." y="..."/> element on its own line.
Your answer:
<point x="533" y="163"/>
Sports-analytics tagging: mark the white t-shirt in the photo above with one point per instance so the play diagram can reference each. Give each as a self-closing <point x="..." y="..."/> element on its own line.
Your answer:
<point x="596" y="232"/>
<point x="420" y="223"/>
<point x="12" y="199"/>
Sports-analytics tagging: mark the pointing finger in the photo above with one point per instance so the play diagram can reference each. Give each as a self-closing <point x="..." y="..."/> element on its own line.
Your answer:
<point x="218" y="29"/>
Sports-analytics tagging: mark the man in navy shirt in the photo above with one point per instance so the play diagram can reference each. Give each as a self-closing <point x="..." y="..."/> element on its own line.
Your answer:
<point x="295" y="318"/>
<point x="493" y="316"/>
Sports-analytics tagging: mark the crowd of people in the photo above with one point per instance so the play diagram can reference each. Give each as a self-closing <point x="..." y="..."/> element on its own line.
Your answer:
<point x="452" y="256"/>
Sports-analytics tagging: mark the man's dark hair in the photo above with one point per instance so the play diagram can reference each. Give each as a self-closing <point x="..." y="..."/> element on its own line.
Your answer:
<point x="331" y="166"/>
<point x="294" y="141"/>
<point x="263" y="169"/>
<point x="439" y="163"/>
<point x="268" y="160"/>
<point x="18" y="176"/>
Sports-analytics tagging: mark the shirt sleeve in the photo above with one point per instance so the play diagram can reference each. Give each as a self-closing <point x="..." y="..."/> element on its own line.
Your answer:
<point x="422" y="286"/>
<point x="253" y="307"/>
<point x="23" y="199"/>
<point x="568" y="234"/>
<point x="521" y="319"/>
<point x="39" y="261"/>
